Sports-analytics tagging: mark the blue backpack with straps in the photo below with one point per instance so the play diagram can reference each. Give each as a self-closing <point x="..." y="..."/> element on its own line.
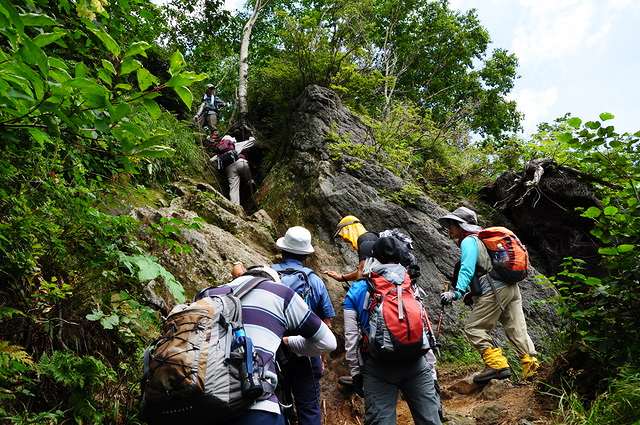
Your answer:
<point x="298" y="281"/>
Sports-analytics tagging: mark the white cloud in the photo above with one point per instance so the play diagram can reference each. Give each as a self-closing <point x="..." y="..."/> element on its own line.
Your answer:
<point x="535" y="104"/>
<point x="553" y="29"/>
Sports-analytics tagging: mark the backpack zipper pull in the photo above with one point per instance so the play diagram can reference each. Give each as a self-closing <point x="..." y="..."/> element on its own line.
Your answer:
<point x="400" y="305"/>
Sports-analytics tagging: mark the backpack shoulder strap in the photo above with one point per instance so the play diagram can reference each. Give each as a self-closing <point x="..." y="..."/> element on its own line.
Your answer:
<point x="243" y="289"/>
<point x="483" y="263"/>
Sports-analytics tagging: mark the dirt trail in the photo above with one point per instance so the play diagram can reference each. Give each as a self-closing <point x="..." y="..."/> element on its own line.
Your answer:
<point x="518" y="404"/>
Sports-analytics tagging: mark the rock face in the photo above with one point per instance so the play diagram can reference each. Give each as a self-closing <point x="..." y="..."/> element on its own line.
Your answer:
<point x="326" y="190"/>
<point x="540" y="201"/>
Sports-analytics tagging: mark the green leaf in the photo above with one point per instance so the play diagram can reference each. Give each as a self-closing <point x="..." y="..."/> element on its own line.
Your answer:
<point x="33" y="55"/>
<point x="606" y="116"/>
<point x="107" y="40"/>
<point x="95" y="315"/>
<point x="185" y="79"/>
<point x="81" y="70"/>
<point x="625" y="248"/>
<point x="110" y="322"/>
<point x="58" y="63"/>
<point x="137" y="48"/>
<point x="608" y="251"/>
<point x="47" y="38"/>
<point x="39" y="136"/>
<point x="176" y="63"/>
<point x="185" y="95"/>
<point x="593" y="125"/>
<point x="119" y="111"/>
<point x="592" y="212"/>
<point x="145" y="79"/>
<point x="564" y="137"/>
<point x="574" y="122"/>
<point x="610" y="210"/>
<point x="13" y="15"/>
<point x="149" y="269"/>
<point x="36" y="20"/>
<point x="152" y="107"/>
<point x="95" y="94"/>
<point x="129" y="65"/>
<point x="108" y="66"/>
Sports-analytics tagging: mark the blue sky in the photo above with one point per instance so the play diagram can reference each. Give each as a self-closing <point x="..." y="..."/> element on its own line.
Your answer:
<point x="578" y="56"/>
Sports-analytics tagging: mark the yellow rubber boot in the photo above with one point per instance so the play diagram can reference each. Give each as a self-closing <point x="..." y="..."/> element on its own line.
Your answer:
<point x="494" y="359"/>
<point x="497" y="366"/>
<point x="530" y="366"/>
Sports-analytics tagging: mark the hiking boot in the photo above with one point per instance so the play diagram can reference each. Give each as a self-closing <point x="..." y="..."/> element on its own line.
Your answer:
<point x="489" y="373"/>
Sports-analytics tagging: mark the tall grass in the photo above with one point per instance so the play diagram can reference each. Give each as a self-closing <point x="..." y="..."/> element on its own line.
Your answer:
<point x="619" y="405"/>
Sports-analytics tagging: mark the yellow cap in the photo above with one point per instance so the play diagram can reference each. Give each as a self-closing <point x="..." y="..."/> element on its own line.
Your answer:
<point x="350" y="229"/>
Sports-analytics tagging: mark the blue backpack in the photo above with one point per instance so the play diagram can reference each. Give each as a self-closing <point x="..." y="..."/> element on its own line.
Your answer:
<point x="298" y="280"/>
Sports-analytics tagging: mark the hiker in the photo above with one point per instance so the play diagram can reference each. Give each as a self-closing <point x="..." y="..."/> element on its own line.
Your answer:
<point x="376" y="374"/>
<point x="303" y="373"/>
<point x="496" y="300"/>
<point x="208" y="110"/>
<point x="234" y="164"/>
<point x="270" y="311"/>
<point x="353" y="231"/>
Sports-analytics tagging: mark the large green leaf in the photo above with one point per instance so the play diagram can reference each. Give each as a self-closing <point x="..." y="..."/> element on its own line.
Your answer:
<point x="107" y="40"/>
<point x="574" y="122"/>
<point x="33" y="55"/>
<point x="137" y="48"/>
<point x="147" y="268"/>
<point x="47" y="38"/>
<point x="152" y="107"/>
<point x="129" y="65"/>
<point x="36" y="20"/>
<point x="605" y="116"/>
<point x="145" y="79"/>
<point x="592" y="212"/>
<point x="185" y="95"/>
<point x="176" y="63"/>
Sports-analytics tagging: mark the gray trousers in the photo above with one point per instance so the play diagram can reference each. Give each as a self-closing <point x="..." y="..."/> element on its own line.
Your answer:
<point x="382" y="382"/>
<point x="236" y="173"/>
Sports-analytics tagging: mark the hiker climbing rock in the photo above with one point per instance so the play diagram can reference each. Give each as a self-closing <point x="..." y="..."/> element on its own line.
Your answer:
<point x="351" y="230"/>
<point x="302" y="374"/>
<point x="385" y="352"/>
<point x="207" y="114"/>
<point x="497" y="258"/>
<point x="270" y="311"/>
<point x="229" y="159"/>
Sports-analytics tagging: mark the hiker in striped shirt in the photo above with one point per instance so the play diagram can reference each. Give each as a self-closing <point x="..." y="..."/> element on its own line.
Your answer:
<point x="269" y="311"/>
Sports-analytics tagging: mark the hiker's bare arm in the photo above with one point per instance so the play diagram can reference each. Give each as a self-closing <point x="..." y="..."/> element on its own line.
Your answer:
<point x="327" y="322"/>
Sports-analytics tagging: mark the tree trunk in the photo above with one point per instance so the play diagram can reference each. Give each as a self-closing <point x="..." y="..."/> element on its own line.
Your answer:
<point x="244" y="60"/>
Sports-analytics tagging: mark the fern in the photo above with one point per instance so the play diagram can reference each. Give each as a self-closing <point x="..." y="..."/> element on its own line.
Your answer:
<point x="11" y="354"/>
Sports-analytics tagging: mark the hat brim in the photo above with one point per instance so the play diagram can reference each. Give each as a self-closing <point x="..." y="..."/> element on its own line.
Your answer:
<point x="283" y="247"/>
<point x="471" y="228"/>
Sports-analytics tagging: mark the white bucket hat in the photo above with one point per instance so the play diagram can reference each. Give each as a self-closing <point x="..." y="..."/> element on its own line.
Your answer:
<point x="465" y="217"/>
<point x="297" y="240"/>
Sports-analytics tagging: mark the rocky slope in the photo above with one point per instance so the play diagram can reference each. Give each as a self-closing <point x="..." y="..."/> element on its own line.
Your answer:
<point x="306" y="187"/>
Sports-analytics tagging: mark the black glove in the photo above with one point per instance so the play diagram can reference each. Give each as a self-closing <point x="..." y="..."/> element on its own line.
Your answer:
<point x="358" y="387"/>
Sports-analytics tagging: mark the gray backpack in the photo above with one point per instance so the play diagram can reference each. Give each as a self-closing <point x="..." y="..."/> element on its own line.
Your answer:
<point x="204" y="367"/>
